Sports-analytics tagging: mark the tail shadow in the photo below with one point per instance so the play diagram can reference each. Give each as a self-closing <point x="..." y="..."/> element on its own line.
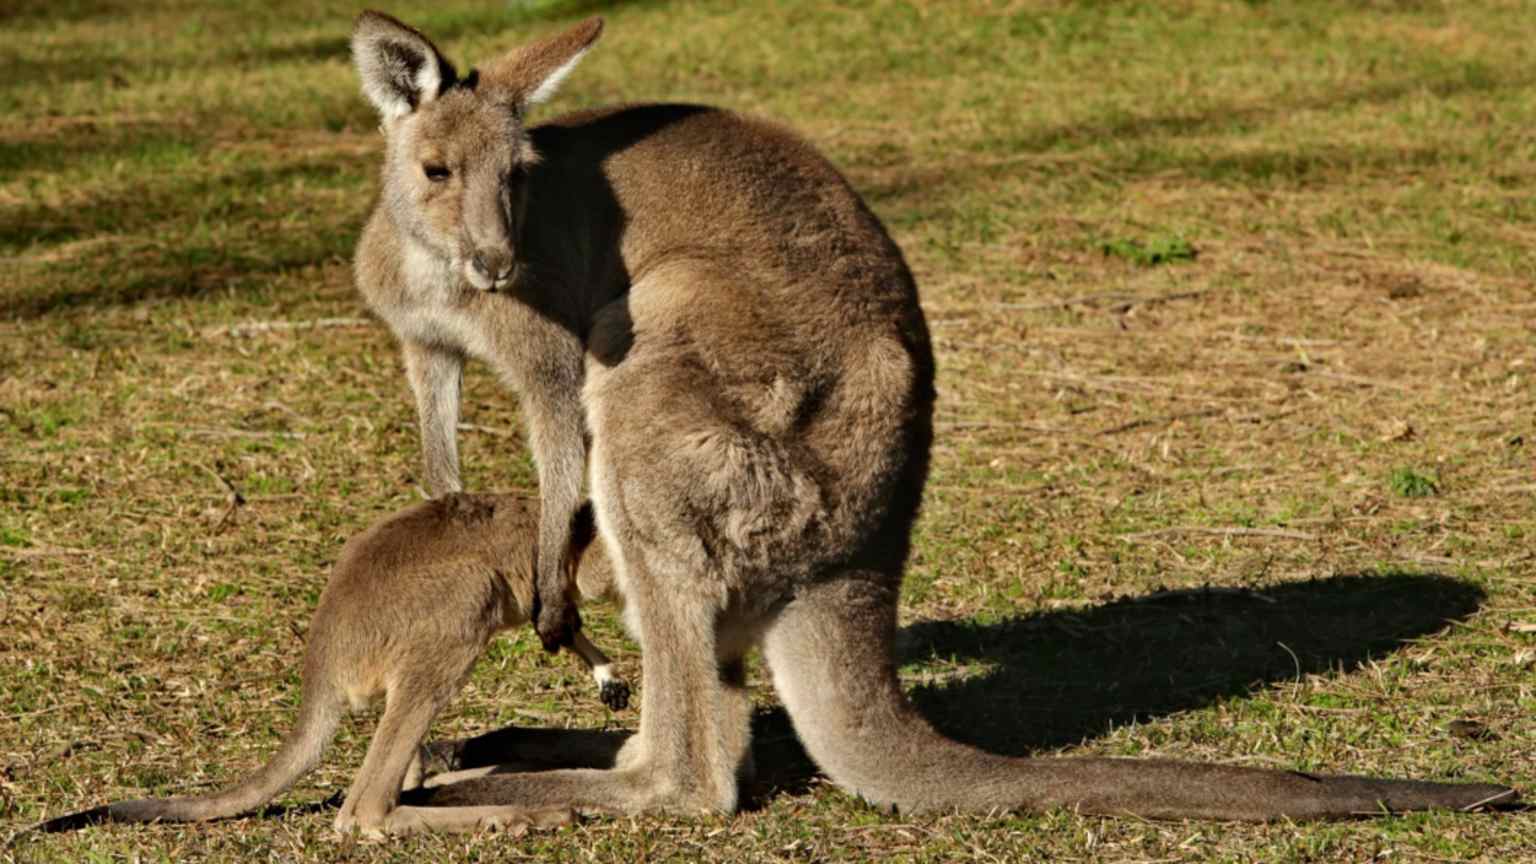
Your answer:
<point x="1057" y="678"/>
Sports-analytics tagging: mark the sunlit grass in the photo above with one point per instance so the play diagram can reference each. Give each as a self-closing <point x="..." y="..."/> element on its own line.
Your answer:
<point x="1115" y="433"/>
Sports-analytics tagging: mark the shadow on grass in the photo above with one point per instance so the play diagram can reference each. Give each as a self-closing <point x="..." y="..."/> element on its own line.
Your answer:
<point x="243" y="240"/>
<point x="441" y="26"/>
<point x="925" y="181"/>
<point x="1062" y="677"/>
<point x="115" y="65"/>
<point x="63" y="10"/>
<point x="89" y="142"/>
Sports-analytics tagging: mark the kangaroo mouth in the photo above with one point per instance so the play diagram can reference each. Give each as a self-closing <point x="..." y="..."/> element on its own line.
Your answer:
<point x="485" y="282"/>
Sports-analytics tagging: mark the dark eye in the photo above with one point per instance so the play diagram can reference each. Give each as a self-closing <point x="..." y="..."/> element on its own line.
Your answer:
<point x="437" y="173"/>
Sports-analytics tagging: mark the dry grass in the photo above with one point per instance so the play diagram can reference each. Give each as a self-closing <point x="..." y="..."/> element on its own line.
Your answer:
<point x="1356" y="324"/>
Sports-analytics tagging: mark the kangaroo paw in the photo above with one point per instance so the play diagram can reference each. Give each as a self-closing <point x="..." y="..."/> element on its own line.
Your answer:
<point x="615" y="694"/>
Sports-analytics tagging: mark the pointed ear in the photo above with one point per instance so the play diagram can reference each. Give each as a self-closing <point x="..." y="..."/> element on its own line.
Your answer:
<point x="531" y="74"/>
<point x="400" y="68"/>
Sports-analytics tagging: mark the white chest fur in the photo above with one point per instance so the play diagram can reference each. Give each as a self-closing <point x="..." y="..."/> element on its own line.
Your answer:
<point x="435" y="306"/>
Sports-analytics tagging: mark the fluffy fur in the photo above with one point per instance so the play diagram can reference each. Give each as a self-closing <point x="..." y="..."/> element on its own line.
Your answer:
<point x="708" y="298"/>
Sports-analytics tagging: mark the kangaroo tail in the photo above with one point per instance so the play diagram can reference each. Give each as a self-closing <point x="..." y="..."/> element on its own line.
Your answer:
<point x="830" y="655"/>
<point x="300" y="752"/>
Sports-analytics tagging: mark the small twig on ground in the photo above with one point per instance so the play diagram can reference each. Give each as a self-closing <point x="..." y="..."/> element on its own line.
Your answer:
<point x="1264" y="418"/>
<point x="229" y="432"/>
<point x="1296" y="686"/>
<point x="1321" y="709"/>
<point x="1285" y="340"/>
<point x="1120" y="302"/>
<point x="63" y="706"/>
<point x="46" y="552"/>
<point x="234" y="499"/>
<point x="1159" y="421"/>
<point x="971" y="425"/>
<point x="1220" y="532"/>
<point x="1357" y="379"/>
<point x="251" y="328"/>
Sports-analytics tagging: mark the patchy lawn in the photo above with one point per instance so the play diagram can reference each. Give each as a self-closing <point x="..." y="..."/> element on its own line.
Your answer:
<point x="1235" y="306"/>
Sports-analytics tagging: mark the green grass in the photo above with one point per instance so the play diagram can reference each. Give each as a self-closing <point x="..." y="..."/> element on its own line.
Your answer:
<point x="1162" y="249"/>
<point x="1411" y="484"/>
<point x="1269" y="504"/>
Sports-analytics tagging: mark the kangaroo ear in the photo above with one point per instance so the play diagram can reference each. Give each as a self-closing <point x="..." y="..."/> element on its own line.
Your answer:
<point x="400" y="68"/>
<point x="531" y="74"/>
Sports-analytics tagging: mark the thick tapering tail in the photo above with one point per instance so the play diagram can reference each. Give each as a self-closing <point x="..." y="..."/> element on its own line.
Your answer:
<point x="830" y="654"/>
<point x="299" y="754"/>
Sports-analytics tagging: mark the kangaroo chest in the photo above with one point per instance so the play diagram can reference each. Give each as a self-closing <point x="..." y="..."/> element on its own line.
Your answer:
<point x="435" y="306"/>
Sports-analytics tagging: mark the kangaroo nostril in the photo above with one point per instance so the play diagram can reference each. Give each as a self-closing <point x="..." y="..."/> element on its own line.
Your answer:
<point x="492" y="264"/>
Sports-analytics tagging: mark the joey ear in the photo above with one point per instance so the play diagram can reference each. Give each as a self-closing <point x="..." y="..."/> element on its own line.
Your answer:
<point x="399" y="67"/>
<point x="531" y="74"/>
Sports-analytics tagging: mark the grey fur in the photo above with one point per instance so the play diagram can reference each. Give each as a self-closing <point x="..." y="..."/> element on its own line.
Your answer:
<point x="757" y="380"/>
<point x="439" y="262"/>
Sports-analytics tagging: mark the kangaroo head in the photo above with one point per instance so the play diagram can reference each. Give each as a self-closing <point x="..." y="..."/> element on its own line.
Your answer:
<point x="457" y="157"/>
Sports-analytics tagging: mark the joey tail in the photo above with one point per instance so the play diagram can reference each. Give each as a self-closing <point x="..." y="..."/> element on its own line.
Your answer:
<point x="299" y="753"/>
<point x="830" y="655"/>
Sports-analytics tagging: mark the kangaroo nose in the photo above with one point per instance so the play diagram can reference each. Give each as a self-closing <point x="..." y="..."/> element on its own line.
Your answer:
<point x="493" y="264"/>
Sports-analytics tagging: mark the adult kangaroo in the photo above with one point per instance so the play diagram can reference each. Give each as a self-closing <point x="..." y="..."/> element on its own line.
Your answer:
<point x="758" y="387"/>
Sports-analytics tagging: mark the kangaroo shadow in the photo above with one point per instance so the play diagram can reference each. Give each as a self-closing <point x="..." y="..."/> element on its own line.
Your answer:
<point x="1057" y="678"/>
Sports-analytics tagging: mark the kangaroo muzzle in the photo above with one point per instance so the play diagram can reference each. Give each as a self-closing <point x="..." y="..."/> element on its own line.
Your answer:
<point x="490" y="268"/>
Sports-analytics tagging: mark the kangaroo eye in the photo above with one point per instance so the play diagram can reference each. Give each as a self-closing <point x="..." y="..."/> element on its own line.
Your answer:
<point x="437" y="173"/>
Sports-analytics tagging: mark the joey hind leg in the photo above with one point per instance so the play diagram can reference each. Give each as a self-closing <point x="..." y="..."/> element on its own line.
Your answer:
<point x="687" y="754"/>
<point x="372" y="806"/>
<point x="395" y="747"/>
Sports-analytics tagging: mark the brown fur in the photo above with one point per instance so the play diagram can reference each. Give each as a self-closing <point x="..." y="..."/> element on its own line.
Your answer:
<point x="439" y="263"/>
<point x="756" y="377"/>
<point x="411" y="604"/>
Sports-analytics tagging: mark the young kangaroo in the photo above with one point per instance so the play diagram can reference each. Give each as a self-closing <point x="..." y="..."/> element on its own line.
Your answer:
<point x="439" y="262"/>
<point x="758" y="385"/>
<point x="411" y="604"/>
